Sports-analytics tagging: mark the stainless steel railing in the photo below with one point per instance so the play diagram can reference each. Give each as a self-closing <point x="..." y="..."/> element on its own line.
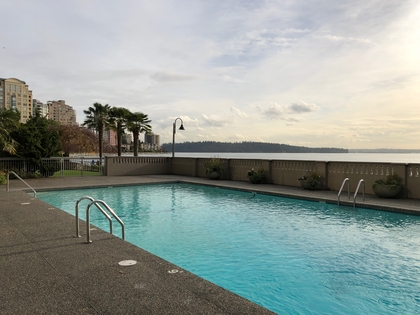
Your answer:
<point x="348" y="189"/>
<point x="97" y="203"/>
<point x="17" y="176"/>
<point x="357" y="190"/>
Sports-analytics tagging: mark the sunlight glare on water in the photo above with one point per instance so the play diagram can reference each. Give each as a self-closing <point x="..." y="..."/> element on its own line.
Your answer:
<point x="291" y="256"/>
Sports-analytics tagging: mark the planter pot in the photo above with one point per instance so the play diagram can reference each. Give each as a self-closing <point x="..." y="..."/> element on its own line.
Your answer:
<point x="256" y="180"/>
<point x="387" y="191"/>
<point x="305" y="184"/>
<point x="214" y="175"/>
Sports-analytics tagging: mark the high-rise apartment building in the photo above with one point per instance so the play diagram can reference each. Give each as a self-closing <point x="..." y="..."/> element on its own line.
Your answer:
<point x="110" y="137"/>
<point x="151" y="141"/>
<point x="151" y="138"/>
<point x="59" y="111"/>
<point x="41" y="108"/>
<point x="127" y="138"/>
<point x="14" y="93"/>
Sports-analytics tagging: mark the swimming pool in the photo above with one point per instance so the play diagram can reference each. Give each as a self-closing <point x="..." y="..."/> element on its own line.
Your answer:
<point x="291" y="256"/>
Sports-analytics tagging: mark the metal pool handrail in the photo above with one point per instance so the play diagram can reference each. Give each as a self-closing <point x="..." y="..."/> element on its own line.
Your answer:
<point x="348" y="189"/>
<point x="8" y="181"/>
<point x="95" y="202"/>
<point x="100" y="209"/>
<point x="357" y="190"/>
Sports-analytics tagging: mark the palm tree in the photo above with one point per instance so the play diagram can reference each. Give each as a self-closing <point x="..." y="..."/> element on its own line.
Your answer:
<point x="137" y="123"/>
<point x="9" y="122"/>
<point x="97" y="119"/>
<point x="117" y="121"/>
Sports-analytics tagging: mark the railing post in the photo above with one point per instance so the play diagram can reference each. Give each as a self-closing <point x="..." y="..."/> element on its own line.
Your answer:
<point x="83" y="164"/>
<point x="357" y="190"/>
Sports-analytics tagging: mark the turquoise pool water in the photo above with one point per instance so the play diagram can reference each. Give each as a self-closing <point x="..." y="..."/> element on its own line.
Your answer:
<point x="291" y="256"/>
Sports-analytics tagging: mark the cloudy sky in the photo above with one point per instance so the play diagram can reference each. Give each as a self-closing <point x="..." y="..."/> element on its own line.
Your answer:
<point x="318" y="73"/>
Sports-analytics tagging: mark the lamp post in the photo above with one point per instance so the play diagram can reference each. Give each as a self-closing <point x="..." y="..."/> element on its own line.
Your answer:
<point x="173" y="134"/>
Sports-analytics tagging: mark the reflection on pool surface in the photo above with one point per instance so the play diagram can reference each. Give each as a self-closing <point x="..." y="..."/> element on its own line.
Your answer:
<point x="289" y="255"/>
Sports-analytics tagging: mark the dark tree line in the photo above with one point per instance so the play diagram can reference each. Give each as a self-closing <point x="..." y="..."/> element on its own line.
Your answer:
<point x="32" y="141"/>
<point x="246" y="147"/>
<point x="41" y="138"/>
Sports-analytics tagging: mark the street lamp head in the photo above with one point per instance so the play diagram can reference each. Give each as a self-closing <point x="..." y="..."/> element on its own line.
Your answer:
<point x="173" y="134"/>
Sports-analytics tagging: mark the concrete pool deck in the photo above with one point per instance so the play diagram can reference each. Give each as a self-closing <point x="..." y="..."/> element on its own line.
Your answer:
<point x="46" y="270"/>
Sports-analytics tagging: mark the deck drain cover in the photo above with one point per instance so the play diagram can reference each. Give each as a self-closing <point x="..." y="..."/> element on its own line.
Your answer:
<point x="127" y="263"/>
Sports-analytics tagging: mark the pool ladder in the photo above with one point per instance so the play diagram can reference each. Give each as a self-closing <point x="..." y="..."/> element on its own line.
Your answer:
<point x="346" y="180"/>
<point x="97" y="203"/>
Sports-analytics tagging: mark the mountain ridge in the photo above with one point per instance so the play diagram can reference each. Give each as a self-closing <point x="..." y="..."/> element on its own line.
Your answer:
<point x="247" y="147"/>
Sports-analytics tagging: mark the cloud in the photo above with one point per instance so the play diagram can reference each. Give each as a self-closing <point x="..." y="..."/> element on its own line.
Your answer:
<point x="266" y="38"/>
<point x="187" y="121"/>
<point x="347" y="39"/>
<point x="230" y="59"/>
<point x="276" y="111"/>
<point x="228" y="78"/>
<point x="303" y="107"/>
<point x="294" y="30"/>
<point x="214" y="120"/>
<point x="238" y="112"/>
<point x="170" y="77"/>
<point x="236" y="137"/>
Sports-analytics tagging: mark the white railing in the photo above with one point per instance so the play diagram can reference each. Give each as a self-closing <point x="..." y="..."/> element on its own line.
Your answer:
<point x="57" y="167"/>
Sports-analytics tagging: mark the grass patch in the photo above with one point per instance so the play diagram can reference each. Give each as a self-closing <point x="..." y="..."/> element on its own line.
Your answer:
<point x="76" y="173"/>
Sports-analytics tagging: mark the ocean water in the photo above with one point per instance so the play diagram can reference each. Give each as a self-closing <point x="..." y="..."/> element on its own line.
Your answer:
<point x="291" y="256"/>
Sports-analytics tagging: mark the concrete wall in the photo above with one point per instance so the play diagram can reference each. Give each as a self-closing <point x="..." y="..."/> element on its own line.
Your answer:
<point x="280" y="172"/>
<point x="137" y="166"/>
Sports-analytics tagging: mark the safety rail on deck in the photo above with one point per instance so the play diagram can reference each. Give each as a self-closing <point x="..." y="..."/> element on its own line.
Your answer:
<point x="357" y="190"/>
<point x="100" y="209"/>
<point x="17" y="176"/>
<point x="348" y="189"/>
<point x="96" y="203"/>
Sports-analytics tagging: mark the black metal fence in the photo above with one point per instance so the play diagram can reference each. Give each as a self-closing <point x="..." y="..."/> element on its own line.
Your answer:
<point x="53" y="167"/>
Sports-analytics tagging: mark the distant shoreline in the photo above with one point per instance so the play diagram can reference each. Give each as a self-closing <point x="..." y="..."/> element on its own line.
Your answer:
<point x="385" y="151"/>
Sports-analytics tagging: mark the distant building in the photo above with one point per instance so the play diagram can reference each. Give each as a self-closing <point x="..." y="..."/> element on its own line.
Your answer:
<point x="110" y="137"/>
<point x="40" y="107"/>
<point x="62" y="113"/>
<point x="14" y="93"/>
<point x="151" y="141"/>
<point x="127" y="138"/>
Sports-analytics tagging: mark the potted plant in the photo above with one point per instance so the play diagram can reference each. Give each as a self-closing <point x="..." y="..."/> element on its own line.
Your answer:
<point x="258" y="176"/>
<point x="3" y="178"/>
<point x="311" y="181"/>
<point x="390" y="187"/>
<point x="214" y="168"/>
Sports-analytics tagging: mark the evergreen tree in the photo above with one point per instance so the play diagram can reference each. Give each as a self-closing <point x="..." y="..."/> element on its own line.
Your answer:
<point x="9" y="122"/>
<point x="38" y="138"/>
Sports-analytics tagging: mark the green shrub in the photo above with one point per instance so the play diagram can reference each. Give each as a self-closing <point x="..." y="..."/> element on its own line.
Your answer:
<point x="257" y="176"/>
<point x="215" y="164"/>
<point x="312" y="181"/>
<point x="3" y="178"/>
<point x="392" y="180"/>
